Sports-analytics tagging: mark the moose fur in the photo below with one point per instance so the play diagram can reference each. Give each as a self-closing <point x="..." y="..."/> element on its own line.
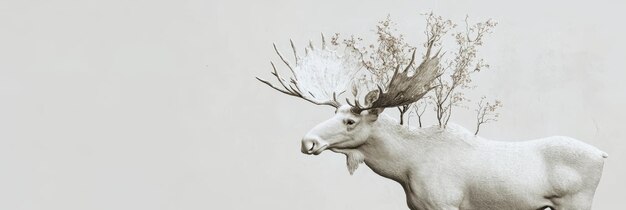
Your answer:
<point x="450" y="168"/>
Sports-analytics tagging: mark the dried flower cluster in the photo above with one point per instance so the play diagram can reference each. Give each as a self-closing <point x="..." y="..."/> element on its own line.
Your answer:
<point x="391" y="50"/>
<point x="456" y="73"/>
<point x="380" y="58"/>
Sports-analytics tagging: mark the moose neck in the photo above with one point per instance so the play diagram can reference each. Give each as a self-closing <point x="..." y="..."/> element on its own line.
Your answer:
<point x="393" y="149"/>
<point x="385" y="152"/>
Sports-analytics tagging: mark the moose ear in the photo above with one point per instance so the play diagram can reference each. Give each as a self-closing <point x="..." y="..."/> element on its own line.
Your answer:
<point x="371" y="97"/>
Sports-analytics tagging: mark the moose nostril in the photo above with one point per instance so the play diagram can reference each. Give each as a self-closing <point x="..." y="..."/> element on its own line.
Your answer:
<point x="309" y="144"/>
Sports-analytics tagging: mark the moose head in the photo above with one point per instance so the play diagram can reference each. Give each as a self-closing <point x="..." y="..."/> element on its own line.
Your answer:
<point x="344" y="130"/>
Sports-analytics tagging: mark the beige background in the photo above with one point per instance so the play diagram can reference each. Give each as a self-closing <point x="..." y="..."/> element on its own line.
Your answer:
<point x="153" y="104"/>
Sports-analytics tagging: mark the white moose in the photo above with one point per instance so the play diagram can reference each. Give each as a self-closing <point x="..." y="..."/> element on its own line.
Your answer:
<point x="439" y="168"/>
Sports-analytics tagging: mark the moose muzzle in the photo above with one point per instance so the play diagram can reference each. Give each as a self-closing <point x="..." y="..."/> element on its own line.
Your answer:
<point x="313" y="145"/>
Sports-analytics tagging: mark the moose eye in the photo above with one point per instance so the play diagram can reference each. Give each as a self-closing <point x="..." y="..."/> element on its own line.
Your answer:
<point x="349" y="122"/>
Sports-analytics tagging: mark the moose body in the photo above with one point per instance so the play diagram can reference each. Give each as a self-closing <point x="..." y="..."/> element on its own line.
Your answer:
<point x="450" y="168"/>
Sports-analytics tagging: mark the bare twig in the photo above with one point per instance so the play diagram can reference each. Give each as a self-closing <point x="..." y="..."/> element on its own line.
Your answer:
<point x="419" y="108"/>
<point x="486" y="112"/>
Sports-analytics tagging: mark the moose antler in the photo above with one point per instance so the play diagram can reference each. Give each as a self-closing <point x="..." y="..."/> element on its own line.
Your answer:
<point x="319" y="76"/>
<point x="403" y="89"/>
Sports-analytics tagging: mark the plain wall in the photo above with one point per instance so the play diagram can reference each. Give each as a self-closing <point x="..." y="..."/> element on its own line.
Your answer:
<point x="154" y="105"/>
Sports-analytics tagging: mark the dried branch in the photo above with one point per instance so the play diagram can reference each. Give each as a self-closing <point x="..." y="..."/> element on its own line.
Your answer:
<point x="403" y="109"/>
<point x="419" y="108"/>
<point x="486" y="112"/>
<point x="448" y="93"/>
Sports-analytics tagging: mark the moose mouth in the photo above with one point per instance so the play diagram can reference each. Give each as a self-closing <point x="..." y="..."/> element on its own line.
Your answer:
<point x="318" y="150"/>
<point x="314" y="149"/>
<point x="313" y="145"/>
